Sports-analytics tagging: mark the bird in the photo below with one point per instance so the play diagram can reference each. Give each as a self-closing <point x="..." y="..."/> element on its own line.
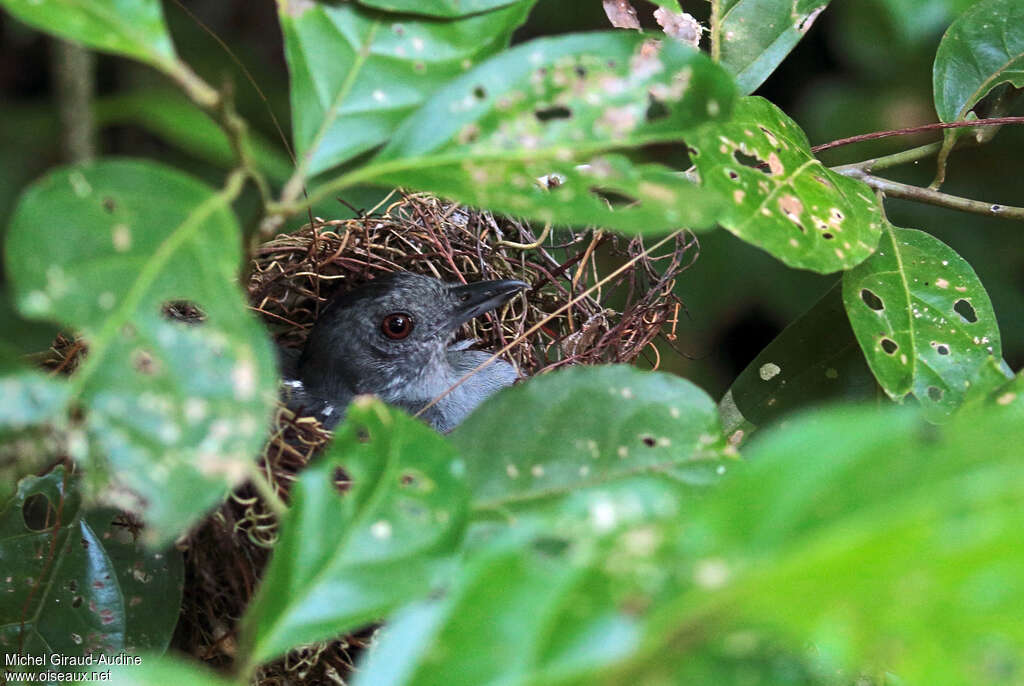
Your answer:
<point x="393" y="337"/>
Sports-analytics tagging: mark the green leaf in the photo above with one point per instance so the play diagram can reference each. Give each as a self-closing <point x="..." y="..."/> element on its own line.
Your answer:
<point x="922" y="318"/>
<point x="546" y="107"/>
<point x="161" y="671"/>
<point x="983" y="48"/>
<point x="58" y="591"/>
<point x="756" y="35"/>
<point x="882" y="541"/>
<point x="177" y="120"/>
<point x="151" y="581"/>
<point x="438" y="8"/>
<point x="344" y="560"/>
<point x="781" y="198"/>
<point x="814" y="360"/>
<point x="177" y="411"/>
<point x="356" y="74"/>
<point x="584" y="426"/>
<point x="134" y="28"/>
<point x="526" y="614"/>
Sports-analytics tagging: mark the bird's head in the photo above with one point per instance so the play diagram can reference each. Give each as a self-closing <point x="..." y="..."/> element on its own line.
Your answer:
<point x="391" y="329"/>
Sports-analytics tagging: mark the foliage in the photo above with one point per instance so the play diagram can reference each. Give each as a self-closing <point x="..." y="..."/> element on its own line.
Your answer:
<point x="591" y="525"/>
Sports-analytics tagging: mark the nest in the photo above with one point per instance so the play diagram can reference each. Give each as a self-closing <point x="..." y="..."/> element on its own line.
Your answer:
<point x="594" y="298"/>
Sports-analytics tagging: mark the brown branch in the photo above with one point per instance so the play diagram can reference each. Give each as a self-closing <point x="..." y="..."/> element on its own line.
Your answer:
<point x="995" y="121"/>
<point x="894" y="189"/>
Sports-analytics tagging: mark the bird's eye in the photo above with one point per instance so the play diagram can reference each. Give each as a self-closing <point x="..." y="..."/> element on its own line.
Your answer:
<point x="396" y="326"/>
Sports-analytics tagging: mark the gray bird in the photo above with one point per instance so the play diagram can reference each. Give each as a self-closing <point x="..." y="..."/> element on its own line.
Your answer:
<point x="391" y="337"/>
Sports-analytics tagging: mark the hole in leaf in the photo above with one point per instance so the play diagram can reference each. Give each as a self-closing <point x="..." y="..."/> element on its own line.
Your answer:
<point x="76" y="601"/>
<point x="648" y="441"/>
<point x="340" y="480"/>
<point x="72" y="585"/>
<point x="935" y="393"/>
<point x="827" y="236"/>
<point x="748" y="160"/>
<point x="733" y="174"/>
<point x="38" y="513"/>
<point x="655" y="110"/>
<point x="889" y="346"/>
<point x="872" y="300"/>
<point x="556" y="112"/>
<point x="109" y="204"/>
<point x="940" y="348"/>
<point x="182" y="311"/>
<point x="549" y="546"/>
<point x="362" y="434"/>
<point x="965" y="310"/>
<point x="407" y="479"/>
<point x="613" y="198"/>
<point x="479" y="92"/>
<point x="581" y="71"/>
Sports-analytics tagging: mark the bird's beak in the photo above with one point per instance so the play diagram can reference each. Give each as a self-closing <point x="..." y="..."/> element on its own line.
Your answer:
<point x="473" y="299"/>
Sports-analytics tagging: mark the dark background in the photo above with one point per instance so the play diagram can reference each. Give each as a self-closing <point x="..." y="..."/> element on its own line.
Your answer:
<point x="865" y="66"/>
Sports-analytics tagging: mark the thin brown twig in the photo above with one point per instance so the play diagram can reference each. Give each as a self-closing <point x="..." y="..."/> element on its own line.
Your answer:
<point x="938" y="126"/>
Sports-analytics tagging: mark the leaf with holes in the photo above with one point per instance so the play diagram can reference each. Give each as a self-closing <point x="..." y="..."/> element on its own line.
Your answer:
<point x="150" y="581"/>
<point x="756" y="35"/>
<point x="437" y="8"/>
<point x="58" y="590"/>
<point x="356" y="74"/>
<point x="983" y="48"/>
<point x="922" y="318"/>
<point x="781" y="198"/>
<point x="815" y="360"/>
<point x="134" y="28"/>
<point x="532" y="442"/>
<point x="176" y="410"/>
<point x="346" y="559"/>
<point x="883" y="542"/>
<point x="565" y="111"/>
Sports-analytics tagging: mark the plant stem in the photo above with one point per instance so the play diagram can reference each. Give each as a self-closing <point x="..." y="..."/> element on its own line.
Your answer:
<point x="894" y="189"/>
<point x="938" y="126"/>
<point x="893" y="160"/>
<point x="74" y="70"/>
<point x="716" y="30"/>
<point x="201" y="93"/>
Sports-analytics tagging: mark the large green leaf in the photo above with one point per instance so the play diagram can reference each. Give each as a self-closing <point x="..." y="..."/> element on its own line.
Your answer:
<point x="781" y="198"/>
<point x="584" y="426"/>
<point x="983" y="48"/>
<point x="515" y="616"/>
<point x="134" y="28"/>
<point x="176" y="410"/>
<point x="562" y="108"/>
<point x="59" y="591"/>
<point x="357" y="73"/>
<point x="922" y="318"/>
<point x="888" y="544"/>
<point x="178" y="121"/>
<point x="816" y="359"/>
<point x="344" y="560"/>
<point x="756" y="35"/>
<point x="437" y="8"/>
